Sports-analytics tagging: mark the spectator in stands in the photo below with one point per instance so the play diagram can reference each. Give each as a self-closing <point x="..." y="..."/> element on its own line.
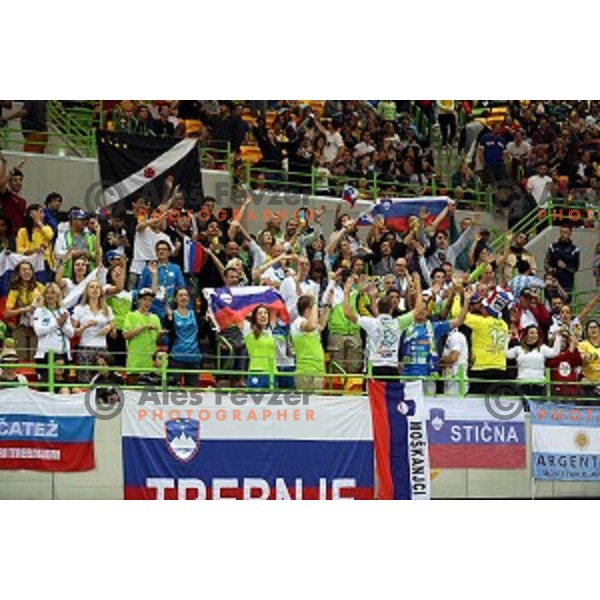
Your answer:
<point x="261" y="347"/>
<point x="20" y="305"/>
<point x="33" y="116"/>
<point x="563" y="259"/>
<point x="517" y="153"/>
<point x="7" y="239"/>
<point x="163" y="126"/>
<point x="531" y="358"/>
<point x="305" y="333"/>
<point x="300" y="284"/>
<point x="564" y="368"/>
<point x="52" y="206"/>
<point x="345" y="345"/>
<point x="36" y="237"/>
<point x="185" y="328"/>
<point x="454" y="357"/>
<point x="141" y="330"/>
<point x="383" y="332"/>
<point x="441" y="251"/>
<point x="492" y="146"/>
<point x="119" y="300"/>
<point x="8" y="375"/>
<point x="163" y="278"/>
<point x="524" y="279"/>
<point x="77" y="241"/>
<point x="143" y="122"/>
<point x="93" y="321"/>
<point x="13" y="205"/>
<point x="106" y="377"/>
<point x="422" y="338"/>
<point x="540" y="185"/>
<point x="517" y="252"/>
<point x="447" y="121"/>
<point x="590" y="351"/>
<point x="149" y="231"/>
<point x="53" y="328"/>
<point x="489" y="341"/>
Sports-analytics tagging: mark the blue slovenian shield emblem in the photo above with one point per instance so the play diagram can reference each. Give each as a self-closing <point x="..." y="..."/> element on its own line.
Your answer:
<point x="437" y="418"/>
<point x="183" y="438"/>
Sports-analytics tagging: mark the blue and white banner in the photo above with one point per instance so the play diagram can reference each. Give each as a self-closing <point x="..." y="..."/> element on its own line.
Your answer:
<point x="246" y="446"/>
<point x="565" y="442"/>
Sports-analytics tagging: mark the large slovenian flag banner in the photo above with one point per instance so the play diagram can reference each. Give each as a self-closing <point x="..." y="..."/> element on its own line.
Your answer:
<point x="565" y="442"/>
<point x="40" y="432"/>
<point x="230" y="306"/>
<point x="9" y="261"/>
<point x="211" y="448"/>
<point x="396" y="212"/>
<point x="465" y="434"/>
<point x="400" y="435"/>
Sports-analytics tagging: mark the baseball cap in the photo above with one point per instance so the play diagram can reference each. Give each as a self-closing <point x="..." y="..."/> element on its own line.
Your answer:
<point x="475" y="299"/>
<point x="112" y="254"/>
<point x="77" y="214"/>
<point x="146" y="292"/>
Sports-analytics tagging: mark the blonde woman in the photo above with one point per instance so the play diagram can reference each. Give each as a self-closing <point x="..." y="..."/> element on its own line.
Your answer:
<point x="93" y="321"/>
<point x="53" y="328"/>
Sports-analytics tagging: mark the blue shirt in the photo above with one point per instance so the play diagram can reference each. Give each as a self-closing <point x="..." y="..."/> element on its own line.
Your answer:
<point x="493" y="149"/>
<point x="420" y="359"/>
<point x="185" y="348"/>
<point x="170" y="279"/>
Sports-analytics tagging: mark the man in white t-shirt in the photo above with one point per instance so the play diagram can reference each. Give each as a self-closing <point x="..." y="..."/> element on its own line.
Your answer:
<point x="383" y="331"/>
<point x="454" y="355"/>
<point x="538" y="185"/>
<point x="148" y="232"/>
<point x="293" y="287"/>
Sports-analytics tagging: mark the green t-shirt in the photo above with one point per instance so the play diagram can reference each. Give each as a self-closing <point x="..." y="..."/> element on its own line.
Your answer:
<point x="338" y="323"/>
<point x="262" y="351"/>
<point x="141" y="348"/>
<point x="310" y="357"/>
<point x="120" y="304"/>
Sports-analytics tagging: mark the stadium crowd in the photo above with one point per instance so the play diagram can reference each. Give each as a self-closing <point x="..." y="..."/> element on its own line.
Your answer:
<point x="430" y="300"/>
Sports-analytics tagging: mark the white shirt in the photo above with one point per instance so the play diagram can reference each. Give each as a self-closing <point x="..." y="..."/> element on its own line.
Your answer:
<point x="290" y="296"/>
<point x="520" y="151"/>
<point x="456" y="341"/>
<point x="383" y="339"/>
<point x="537" y="185"/>
<point x="362" y="148"/>
<point x="49" y="335"/>
<point x="531" y="364"/>
<point x="333" y="142"/>
<point x="144" y="248"/>
<point x="91" y="336"/>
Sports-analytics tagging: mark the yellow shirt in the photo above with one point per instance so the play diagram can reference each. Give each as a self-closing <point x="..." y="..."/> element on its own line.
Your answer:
<point x="591" y="367"/>
<point x="488" y="342"/>
<point x="40" y="237"/>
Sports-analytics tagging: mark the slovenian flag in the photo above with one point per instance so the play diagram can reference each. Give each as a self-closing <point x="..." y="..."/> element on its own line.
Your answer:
<point x="41" y="432"/>
<point x="230" y="306"/>
<point x="8" y="263"/>
<point x="193" y="256"/>
<point x="349" y="194"/>
<point x="400" y="436"/>
<point x="396" y="212"/>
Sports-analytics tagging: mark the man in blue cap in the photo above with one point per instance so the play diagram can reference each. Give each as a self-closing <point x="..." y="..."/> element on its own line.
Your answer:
<point x="77" y="241"/>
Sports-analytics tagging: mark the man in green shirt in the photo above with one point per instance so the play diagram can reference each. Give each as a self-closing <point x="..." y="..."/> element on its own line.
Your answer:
<point x="141" y="330"/>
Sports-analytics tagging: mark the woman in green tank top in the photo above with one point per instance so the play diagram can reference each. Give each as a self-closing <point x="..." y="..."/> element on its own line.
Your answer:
<point x="260" y="344"/>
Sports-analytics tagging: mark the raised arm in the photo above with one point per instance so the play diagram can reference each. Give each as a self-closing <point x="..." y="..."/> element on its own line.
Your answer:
<point x="349" y="311"/>
<point x="589" y="307"/>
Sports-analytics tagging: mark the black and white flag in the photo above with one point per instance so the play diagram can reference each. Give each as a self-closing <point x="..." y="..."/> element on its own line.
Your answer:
<point x="132" y="164"/>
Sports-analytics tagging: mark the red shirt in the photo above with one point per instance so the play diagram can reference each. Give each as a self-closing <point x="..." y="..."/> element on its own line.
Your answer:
<point x="564" y="368"/>
<point x="14" y="207"/>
